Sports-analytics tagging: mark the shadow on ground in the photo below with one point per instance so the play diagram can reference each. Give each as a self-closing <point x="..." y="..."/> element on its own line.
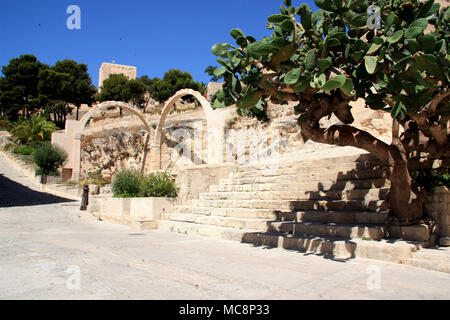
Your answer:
<point x="13" y="194"/>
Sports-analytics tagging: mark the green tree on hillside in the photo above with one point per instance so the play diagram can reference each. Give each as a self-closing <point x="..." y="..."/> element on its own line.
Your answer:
<point x="173" y="81"/>
<point x="10" y="99"/>
<point x="147" y="81"/>
<point x="19" y="86"/>
<point x="78" y="89"/>
<point x="136" y="90"/>
<point x="325" y="60"/>
<point x="210" y="72"/>
<point x="113" y="89"/>
<point x="119" y="88"/>
<point x="64" y="84"/>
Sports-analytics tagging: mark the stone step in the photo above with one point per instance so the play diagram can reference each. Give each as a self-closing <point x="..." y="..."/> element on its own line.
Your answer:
<point x="344" y="217"/>
<point x="361" y="160"/>
<point x="346" y="231"/>
<point x="351" y="231"/>
<point x="287" y="185"/>
<point x="253" y="180"/>
<point x="147" y="225"/>
<point x="224" y="233"/>
<point x="311" y="176"/>
<point x="229" y="212"/>
<point x="359" y="194"/>
<point x="441" y="253"/>
<point x="392" y="250"/>
<point x="442" y="266"/>
<point x="340" y="172"/>
<point x="285" y="205"/>
<point x="437" y="259"/>
<point x="230" y="222"/>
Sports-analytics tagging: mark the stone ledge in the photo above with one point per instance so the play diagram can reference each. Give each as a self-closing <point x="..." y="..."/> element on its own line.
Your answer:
<point x="130" y="211"/>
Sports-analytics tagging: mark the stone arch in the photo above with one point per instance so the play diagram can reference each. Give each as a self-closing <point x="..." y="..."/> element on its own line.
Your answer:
<point x="108" y="104"/>
<point x="156" y="141"/>
<point x="82" y="125"/>
<point x="169" y="105"/>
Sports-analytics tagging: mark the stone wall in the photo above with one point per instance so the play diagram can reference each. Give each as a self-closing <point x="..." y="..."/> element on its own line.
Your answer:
<point x="112" y="150"/>
<point x="196" y="179"/>
<point x="438" y="207"/>
<point x="283" y="130"/>
<point x="184" y="143"/>
<point x="5" y="138"/>
<point x="212" y="88"/>
<point x="110" y="144"/>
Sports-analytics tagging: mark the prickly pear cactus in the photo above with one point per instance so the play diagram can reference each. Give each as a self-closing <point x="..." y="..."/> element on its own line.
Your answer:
<point x="391" y="53"/>
<point x="398" y="67"/>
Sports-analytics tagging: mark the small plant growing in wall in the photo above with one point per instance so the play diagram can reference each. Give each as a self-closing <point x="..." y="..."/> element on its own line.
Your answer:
<point x="48" y="158"/>
<point x="94" y="177"/>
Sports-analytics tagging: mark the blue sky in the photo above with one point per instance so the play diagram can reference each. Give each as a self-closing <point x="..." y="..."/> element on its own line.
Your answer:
<point x="153" y="35"/>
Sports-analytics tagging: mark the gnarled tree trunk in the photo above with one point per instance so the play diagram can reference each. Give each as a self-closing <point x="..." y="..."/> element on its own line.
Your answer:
<point x="406" y="204"/>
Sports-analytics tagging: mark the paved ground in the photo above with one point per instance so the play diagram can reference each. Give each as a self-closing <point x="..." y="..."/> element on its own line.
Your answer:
<point x="51" y="250"/>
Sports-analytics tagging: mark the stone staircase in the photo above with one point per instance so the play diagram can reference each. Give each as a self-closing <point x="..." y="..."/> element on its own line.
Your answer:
<point x="335" y="207"/>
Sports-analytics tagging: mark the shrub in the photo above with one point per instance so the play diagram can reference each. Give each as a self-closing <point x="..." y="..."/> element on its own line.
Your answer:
<point x="36" y="144"/>
<point x="23" y="149"/>
<point x="94" y="178"/>
<point x="131" y="183"/>
<point x="431" y="178"/>
<point x="33" y="129"/>
<point x="8" y="146"/>
<point x="160" y="184"/>
<point x="48" y="158"/>
<point x="5" y="125"/>
<point x="127" y="182"/>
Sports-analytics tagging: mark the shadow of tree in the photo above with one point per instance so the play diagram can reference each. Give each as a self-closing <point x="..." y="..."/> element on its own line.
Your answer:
<point x="14" y="194"/>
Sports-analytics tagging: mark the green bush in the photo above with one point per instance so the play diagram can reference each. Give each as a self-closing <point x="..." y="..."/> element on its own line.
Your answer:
<point x="5" y="125"/>
<point x="9" y="146"/>
<point x="431" y="178"/>
<point x="36" y="144"/>
<point x="127" y="183"/>
<point x="160" y="184"/>
<point x="23" y="149"/>
<point x="35" y="128"/>
<point x="131" y="183"/>
<point x="48" y="158"/>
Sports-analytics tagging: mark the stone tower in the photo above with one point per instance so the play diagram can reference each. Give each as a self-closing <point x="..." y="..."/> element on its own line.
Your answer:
<point x="111" y="68"/>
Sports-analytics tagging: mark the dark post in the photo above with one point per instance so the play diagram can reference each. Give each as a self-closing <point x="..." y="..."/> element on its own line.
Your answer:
<point x="85" y="198"/>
